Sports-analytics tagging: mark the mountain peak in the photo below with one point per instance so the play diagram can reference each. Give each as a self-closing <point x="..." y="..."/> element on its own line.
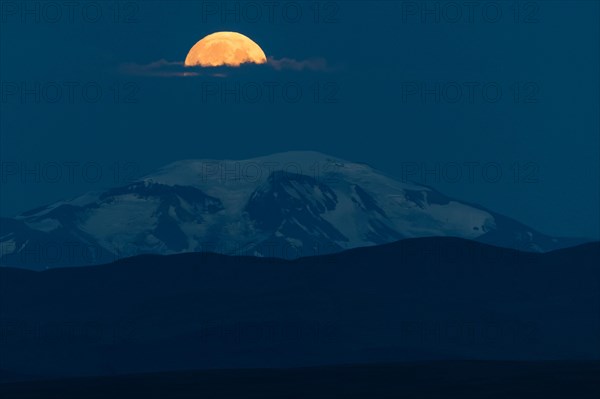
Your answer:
<point x="289" y="204"/>
<point x="212" y="173"/>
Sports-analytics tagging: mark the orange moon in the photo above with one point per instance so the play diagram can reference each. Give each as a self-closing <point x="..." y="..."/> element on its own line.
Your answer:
<point x="225" y="48"/>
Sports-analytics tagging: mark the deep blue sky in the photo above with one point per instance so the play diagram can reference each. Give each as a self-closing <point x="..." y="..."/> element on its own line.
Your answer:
<point x="376" y="52"/>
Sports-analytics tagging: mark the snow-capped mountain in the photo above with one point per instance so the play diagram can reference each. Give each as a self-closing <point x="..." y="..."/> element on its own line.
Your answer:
<point x="287" y="205"/>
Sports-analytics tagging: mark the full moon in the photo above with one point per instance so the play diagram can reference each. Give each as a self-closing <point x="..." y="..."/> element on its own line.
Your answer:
<point x="225" y="48"/>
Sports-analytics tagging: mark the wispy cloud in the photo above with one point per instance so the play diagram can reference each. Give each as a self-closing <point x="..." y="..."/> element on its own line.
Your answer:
<point x="164" y="68"/>
<point x="312" y="64"/>
<point x="160" y="68"/>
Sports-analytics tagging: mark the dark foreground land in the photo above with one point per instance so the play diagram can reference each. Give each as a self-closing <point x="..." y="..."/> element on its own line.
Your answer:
<point x="572" y="380"/>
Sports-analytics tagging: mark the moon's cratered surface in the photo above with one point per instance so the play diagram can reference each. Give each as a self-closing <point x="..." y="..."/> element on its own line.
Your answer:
<point x="225" y="48"/>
